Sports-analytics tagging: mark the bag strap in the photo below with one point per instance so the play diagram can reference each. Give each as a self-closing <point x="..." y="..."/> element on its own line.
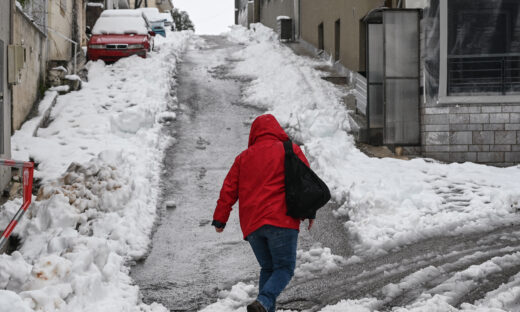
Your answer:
<point x="287" y="145"/>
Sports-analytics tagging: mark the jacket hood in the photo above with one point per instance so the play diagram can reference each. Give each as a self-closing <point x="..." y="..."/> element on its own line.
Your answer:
<point x="266" y="125"/>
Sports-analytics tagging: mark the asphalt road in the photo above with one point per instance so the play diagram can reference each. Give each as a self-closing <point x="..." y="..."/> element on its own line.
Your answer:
<point x="189" y="263"/>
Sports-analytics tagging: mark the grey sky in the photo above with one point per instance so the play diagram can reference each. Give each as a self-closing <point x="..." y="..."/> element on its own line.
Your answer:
<point x="209" y="16"/>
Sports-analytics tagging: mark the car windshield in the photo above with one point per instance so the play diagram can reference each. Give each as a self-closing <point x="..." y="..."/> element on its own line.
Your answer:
<point x="120" y="25"/>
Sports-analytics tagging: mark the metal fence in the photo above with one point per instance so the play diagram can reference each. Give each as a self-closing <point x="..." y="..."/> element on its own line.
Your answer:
<point x="484" y="74"/>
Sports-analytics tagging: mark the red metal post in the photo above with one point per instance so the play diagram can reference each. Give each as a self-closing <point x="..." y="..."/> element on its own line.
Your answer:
<point x="27" y="180"/>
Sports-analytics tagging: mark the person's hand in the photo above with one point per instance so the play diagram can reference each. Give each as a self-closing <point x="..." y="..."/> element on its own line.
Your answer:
<point x="219" y="230"/>
<point x="311" y="222"/>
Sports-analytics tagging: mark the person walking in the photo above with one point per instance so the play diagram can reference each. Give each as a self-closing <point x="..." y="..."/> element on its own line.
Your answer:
<point x="257" y="181"/>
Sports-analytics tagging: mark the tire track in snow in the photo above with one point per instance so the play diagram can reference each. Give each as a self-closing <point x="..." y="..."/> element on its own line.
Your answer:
<point x="402" y="276"/>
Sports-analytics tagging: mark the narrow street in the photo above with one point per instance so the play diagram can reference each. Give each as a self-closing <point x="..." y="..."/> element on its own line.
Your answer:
<point x="189" y="262"/>
<point x="120" y="120"/>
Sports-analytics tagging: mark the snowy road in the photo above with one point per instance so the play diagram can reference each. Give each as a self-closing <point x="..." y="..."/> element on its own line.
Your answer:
<point x="189" y="262"/>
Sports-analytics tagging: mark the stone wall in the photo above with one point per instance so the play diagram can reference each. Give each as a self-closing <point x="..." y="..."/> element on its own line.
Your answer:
<point x="482" y="133"/>
<point x="26" y="93"/>
<point x="60" y="27"/>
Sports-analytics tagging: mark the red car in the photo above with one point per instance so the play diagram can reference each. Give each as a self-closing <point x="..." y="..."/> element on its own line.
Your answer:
<point x="120" y="33"/>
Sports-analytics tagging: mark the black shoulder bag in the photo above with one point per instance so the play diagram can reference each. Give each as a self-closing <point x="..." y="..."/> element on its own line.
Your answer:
<point x="305" y="192"/>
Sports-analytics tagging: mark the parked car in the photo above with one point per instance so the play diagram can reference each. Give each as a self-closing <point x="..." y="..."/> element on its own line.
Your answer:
<point x="120" y="33"/>
<point x="155" y="19"/>
<point x="168" y="19"/>
<point x="158" y="28"/>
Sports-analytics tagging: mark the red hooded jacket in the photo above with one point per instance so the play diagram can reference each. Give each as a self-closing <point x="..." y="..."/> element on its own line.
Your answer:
<point x="257" y="180"/>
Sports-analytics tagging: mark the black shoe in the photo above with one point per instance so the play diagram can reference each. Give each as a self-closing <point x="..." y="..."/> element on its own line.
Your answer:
<point x="256" y="307"/>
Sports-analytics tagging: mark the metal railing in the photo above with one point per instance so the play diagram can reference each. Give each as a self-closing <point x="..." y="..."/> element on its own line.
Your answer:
<point x="27" y="180"/>
<point x="484" y="74"/>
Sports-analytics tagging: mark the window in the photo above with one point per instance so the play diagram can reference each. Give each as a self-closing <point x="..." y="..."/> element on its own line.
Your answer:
<point x="321" y="43"/>
<point x="483" y="47"/>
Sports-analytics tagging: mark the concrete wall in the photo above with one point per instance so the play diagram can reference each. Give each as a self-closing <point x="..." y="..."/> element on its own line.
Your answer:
<point x="26" y="93"/>
<point x="271" y="9"/>
<point x="482" y="133"/>
<point x="60" y="21"/>
<point x="5" y="108"/>
<point x="349" y="12"/>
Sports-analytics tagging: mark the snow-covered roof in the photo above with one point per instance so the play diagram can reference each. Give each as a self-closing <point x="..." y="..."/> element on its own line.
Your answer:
<point x="114" y="24"/>
<point x="112" y="13"/>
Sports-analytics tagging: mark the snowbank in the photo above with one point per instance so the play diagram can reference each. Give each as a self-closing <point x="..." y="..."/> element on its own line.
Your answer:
<point x="98" y="161"/>
<point x="315" y="262"/>
<point x="389" y="202"/>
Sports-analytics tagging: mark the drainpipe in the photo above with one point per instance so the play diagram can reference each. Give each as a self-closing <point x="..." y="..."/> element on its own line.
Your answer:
<point x="12" y="7"/>
<point x="9" y="87"/>
<point x="71" y="41"/>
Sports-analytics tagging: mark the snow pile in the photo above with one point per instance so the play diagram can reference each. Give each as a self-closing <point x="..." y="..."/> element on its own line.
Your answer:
<point x="363" y="305"/>
<point x="389" y="202"/>
<point x="236" y="299"/>
<point x="14" y="271"/>
<point x="13" y="301"/>
<point x="98" y="160"/>
<point x="315" y="262"/>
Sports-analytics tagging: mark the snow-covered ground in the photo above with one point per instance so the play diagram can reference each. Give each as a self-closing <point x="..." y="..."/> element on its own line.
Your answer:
<point x="98" y="161"/>
<point x="389" y="202"/>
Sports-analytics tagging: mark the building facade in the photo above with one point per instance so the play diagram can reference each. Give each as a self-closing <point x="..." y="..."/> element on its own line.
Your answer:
<point x="471" y="110"/>
<point x="439" y="78"/>
<point x="333" y="26"/>
<point x="6" y="8"/>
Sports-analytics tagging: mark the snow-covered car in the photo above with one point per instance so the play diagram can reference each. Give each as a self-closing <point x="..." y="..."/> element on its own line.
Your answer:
<point x="158" y="28"/>
<point x="168" y="19"/>
<point x="155" y="19"/>
<point x="120" y="33"/>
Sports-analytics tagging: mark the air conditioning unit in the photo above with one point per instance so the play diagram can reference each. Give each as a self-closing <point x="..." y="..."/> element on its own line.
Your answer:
<point x="285" y="28"/>
<point x="16" y="58"/>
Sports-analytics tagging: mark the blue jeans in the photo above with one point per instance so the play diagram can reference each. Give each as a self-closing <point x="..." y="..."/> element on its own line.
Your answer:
<point x="275" y="250"/>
